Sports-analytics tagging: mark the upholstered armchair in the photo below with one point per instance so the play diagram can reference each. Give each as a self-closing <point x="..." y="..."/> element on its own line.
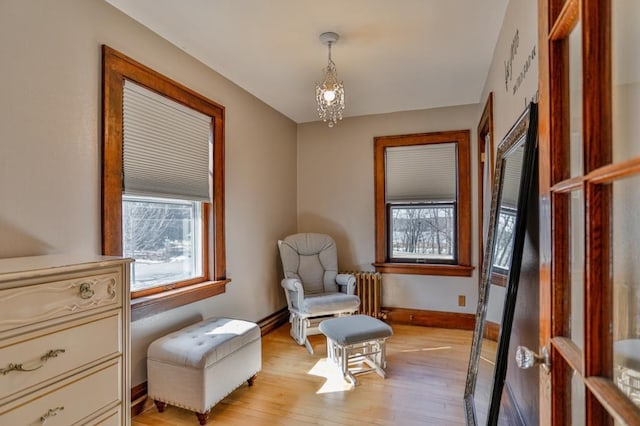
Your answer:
<point x="314" y="289"/>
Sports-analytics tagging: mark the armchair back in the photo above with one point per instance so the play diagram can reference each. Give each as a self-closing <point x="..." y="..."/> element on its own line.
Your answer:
<point x="312" y="259"/>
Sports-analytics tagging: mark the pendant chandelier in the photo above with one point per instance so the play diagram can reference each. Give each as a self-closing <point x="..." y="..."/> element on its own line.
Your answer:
<point x="330" y="92"/>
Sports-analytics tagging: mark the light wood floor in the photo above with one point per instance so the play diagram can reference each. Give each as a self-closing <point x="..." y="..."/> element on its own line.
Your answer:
<point x="426" y="371"/>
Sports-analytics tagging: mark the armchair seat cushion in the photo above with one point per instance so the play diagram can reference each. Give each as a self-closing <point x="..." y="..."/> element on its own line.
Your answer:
<point x="330" y="302"/>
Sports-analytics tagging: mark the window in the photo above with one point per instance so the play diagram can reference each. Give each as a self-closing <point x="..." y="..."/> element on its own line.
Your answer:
<point x="163" y="191"/>
<point x="503" y="248"/>
<point x="504" y="239"/>
<point x="423" y="202"/>
<point x="422" y="232"/>
<point x="164" y="236"/>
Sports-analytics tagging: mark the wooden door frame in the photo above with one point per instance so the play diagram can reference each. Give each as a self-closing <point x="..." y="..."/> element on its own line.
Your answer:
<point x="485" y="126"/>
<point x="593" y="364"/>
<point x="546" y="9"/>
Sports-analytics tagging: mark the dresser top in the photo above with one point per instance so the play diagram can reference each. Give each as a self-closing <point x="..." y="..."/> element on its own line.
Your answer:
<point x="53" y="263"/>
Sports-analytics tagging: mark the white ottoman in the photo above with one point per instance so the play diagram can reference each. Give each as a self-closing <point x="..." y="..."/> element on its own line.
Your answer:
<point x="356" y="339"/>
<point x="196" y="367"/>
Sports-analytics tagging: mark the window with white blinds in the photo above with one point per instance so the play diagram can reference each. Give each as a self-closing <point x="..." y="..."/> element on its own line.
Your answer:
<point x="422" y="186"/>
<point x="162" y="185"/>
<point x="166" y="147"/>
<point x="421" y="173"/>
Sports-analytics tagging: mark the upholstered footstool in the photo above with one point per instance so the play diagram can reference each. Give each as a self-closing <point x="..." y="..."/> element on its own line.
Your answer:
<point x="196" y="367"/>
<point x="354" y="340"/>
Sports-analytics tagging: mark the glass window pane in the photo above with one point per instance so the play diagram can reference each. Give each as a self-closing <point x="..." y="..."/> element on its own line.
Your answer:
<point x="625" y="39"/>
<point x="164" y="237"/>
<point x="575" y="100"/>
<point x="626" y="287"/>
<point x="576" y="267"/>
<point x="578" y="403"/>
<point x="423" y="232"/>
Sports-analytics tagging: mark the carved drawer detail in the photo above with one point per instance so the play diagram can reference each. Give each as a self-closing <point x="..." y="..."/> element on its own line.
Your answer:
<point x="34" y="303"/>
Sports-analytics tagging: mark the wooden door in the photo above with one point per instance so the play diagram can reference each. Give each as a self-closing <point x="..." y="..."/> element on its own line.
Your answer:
<point x="589" y="139"/>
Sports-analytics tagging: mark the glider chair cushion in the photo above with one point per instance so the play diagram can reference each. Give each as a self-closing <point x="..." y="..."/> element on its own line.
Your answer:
<point x="312" y="285"/>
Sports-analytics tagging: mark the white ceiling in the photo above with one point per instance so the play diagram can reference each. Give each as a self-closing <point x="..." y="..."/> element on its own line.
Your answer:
<point x="393" y="55"/>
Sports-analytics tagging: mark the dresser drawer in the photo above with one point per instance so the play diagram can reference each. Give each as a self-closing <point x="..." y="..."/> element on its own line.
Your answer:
<point x="48" y="356"/>
<point x="69" y="403"/>
<point x="29" y="304"/>
<point x="112" y="418"/>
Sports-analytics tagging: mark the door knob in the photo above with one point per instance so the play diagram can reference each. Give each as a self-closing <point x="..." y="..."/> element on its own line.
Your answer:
<point x="526" y="358"/>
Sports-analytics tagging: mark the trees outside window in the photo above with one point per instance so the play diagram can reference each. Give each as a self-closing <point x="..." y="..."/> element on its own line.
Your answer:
<point x="423" y="232"/>
<point x="163" y="236"/>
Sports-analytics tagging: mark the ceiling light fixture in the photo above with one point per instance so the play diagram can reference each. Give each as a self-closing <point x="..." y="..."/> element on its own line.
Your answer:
<point x="330" y="93"/>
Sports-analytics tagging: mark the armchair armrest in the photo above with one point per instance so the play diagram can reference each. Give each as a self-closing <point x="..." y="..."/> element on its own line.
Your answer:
<point x="294" y="286"/>
<point x="348" y="281"/>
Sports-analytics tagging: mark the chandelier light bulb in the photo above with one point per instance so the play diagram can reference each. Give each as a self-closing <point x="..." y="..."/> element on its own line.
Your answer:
<point x="329" y="96"/>
<point x="330" y="92"/>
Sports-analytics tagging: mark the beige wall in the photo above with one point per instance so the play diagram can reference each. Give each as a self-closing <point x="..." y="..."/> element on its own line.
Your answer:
<point x="50" y="152"/>
<point x="335" y="196"/>
<point x="521" y="16"/>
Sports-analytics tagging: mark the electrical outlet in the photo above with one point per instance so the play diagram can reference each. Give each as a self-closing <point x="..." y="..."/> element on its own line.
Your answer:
<point x="462" y="300"/>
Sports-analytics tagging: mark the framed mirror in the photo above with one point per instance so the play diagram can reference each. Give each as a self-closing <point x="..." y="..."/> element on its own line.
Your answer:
<point x="515" y="166"/>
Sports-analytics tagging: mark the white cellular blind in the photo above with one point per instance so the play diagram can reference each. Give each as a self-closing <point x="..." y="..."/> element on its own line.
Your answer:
<point x="512" y="172"/>
<point x="165" y="146"/>
<point x="421" y="173"/>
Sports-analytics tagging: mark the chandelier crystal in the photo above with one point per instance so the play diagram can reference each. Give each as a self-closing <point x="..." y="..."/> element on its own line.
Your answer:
<point x="330" y="92"/>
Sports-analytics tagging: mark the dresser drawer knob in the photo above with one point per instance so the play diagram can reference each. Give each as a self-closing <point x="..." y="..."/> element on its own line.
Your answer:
<point x="51" y="413"/>
<point x="53" y="353"/>
<point x="86" y="292"/>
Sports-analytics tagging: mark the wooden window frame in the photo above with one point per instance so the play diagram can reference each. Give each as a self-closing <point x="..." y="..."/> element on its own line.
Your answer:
<point x="463" y="221"/>
<point x="116" y="67"/>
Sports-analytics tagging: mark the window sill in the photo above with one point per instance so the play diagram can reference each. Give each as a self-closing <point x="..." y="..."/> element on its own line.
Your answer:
<point x="413" y="269"/>
<point x="499" y="279"/>
<point x="146" y="306"/>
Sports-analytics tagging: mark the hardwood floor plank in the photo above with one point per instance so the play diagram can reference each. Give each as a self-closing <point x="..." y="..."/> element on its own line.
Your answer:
<point x="426" y="371"/>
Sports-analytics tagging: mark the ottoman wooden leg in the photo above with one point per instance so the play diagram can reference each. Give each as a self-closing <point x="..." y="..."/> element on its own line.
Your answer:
<point x="160" y="405"/>
<point x="203" y="417"/>
<point x="252" y="379"/>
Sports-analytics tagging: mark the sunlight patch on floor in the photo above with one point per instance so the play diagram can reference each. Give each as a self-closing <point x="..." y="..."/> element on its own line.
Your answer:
<point x="427" y="349"/>
<point x="334" y="381"/>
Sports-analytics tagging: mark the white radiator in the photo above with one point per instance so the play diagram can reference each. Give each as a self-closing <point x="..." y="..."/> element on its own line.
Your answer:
<point x="369" y="289"/>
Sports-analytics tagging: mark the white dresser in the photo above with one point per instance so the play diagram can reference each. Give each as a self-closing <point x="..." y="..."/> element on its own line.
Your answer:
<point x="64" y="341"/>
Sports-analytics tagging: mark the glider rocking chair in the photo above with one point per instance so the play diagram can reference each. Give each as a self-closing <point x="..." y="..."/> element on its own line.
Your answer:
<point x="314" y="289"/>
